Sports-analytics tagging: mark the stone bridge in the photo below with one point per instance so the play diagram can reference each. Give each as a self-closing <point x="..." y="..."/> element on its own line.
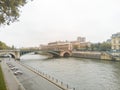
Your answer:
<point x="16" y="53"/>
<point x="59" y="53"/>
<point x="58" y="48"/>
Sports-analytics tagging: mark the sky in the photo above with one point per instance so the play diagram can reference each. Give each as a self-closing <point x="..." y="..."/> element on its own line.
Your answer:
<point x="44" y="21"/>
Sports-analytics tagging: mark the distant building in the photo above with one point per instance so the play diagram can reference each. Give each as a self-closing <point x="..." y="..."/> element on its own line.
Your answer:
<point x="115" y="41"/>
<point x="81" y="39"/>
<point x="108" y="40"/>
<point x="59" y="45"/>
<point x="79" y="44"/>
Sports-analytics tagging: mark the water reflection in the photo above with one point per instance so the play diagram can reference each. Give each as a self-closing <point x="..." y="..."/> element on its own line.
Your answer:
<point x="83" y="74"/>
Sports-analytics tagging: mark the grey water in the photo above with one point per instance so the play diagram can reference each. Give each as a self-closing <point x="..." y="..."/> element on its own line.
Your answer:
<point x="83" y="74"/>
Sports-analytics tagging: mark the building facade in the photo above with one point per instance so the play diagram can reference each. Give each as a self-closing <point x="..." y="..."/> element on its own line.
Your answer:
<point x="59" y="45"/>
<point x="79" y="44"/>
<point x="115" y="41"/>
<point x="81" y="39"/>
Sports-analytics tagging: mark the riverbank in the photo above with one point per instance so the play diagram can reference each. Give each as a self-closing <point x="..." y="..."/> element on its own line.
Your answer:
<point x="86" y="54"/>
<point x="30" y="79"/>
<point x="94" y="55"/>
<point x="11" y="81"/>
<point x="2" y="81"/>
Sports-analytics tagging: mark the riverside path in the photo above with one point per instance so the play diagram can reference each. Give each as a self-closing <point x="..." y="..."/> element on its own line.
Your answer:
<point x="29" y="79"/>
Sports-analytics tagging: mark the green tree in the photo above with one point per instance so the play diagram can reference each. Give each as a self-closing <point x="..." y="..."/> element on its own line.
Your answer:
<point x="104" y="46"/>
<point x="3" y="46"/>
<point x="95" y="46"/>
<point x="9" y="10"/>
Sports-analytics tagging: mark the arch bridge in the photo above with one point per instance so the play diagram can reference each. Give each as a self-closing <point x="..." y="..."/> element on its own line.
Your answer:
<point x="16" y="53"/>
<point x="60" y="53"/>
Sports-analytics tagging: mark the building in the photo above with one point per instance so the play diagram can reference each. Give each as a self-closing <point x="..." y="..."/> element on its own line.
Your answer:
<point x="79" y="44"/>
<point x="108" y="41"/>
<point x="115" y="41"/>
<point x="58" y="45"/>
<point x="81" y="39"/>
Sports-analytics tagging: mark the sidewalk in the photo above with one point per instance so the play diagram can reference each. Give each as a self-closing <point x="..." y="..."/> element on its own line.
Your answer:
<point x="10" y="80"/>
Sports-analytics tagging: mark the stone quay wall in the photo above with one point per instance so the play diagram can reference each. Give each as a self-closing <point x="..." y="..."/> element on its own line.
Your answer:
<point x="86" y="54"/>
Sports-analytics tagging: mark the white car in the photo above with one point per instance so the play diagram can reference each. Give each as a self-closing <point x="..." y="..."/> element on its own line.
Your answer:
<point x="18" y="72"/>
<point x="11" y="65"/>
<point x="14" y="68"/>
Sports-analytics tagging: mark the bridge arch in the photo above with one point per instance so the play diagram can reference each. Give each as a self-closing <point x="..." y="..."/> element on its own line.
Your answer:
<point x="16" y="53"/>
<point x="9" y="53"/>
<point x="65" y="54"/>
<point x="12" y="55"/>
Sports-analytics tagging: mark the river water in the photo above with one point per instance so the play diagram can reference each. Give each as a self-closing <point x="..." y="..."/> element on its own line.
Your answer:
<point x="83" y="74"/>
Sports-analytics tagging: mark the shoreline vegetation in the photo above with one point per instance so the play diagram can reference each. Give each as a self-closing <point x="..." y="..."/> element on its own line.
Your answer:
<point x="2" y="81"/>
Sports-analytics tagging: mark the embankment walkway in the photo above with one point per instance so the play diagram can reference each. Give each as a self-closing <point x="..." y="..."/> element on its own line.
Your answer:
<point x="29" y="80"/>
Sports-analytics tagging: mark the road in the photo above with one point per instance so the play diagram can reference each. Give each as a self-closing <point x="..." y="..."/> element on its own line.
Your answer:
<point x="31" y="80"/>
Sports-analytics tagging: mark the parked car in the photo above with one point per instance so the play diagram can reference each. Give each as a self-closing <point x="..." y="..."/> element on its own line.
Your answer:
<point x="14" y="68"/>
<point x="18" y="72"/>
<point x="11" y="66"/>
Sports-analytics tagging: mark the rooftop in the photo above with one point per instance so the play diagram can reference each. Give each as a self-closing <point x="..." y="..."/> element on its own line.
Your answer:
<point x="116" y="35"/>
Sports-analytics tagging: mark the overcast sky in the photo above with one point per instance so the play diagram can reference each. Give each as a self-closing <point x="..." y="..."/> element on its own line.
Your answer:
<point x="43" y="21"/>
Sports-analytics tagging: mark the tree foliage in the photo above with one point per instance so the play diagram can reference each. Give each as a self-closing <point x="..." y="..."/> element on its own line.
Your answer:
<point x="104" y="46"/>
<point x="3" y="46"/>
<point x="9" y="10"/>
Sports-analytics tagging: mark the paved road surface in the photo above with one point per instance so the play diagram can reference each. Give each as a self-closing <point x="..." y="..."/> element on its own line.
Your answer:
<point x="29" y="79"/>
<point x="10" y="80"/>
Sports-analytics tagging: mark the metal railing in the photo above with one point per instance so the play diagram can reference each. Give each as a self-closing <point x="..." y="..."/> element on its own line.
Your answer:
<point x="53" y="80"/>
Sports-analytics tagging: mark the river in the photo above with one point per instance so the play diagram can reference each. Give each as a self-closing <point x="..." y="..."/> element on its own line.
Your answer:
<point x="83" y="74"/>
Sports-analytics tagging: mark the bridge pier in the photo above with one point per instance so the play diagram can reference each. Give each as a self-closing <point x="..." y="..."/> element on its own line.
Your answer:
<point x="17" y="53"/>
